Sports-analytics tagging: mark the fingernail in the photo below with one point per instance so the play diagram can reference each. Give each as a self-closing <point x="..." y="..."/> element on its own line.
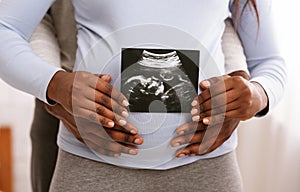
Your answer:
<point x="125" y="103"/>
<point x="132" y="152"/>
<point x="125" y="114"/>
<point x="105" y="77"/>
<point x="137" y="141"/>
<point x="176" y="144"/>
<point x="194" y="111"/>
<point x="181" y="155"/>
<point x="196" y="118"/>
<point x="133" y="131"/>
<point x="194" y="103"/>
<point x="206" y="121"/>
<point x="180" y="133"/>
<point x="117" y="155"/>
<point x="122" y="122"/>
<point x="206" y="83"/>
<point x="111" y="124"/>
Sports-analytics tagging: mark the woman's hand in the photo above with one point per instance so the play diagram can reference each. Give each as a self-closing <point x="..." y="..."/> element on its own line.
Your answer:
<point x="90" y="97"/>
<point x="234" y="98"/>
<point x="230" y="97"/>
<point x="107" y="141"/>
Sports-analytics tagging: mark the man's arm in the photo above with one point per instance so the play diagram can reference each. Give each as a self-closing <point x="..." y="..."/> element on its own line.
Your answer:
<point x="62" y="13"/>
<point x="235" y="60"/>
<point x="44" y="42"/>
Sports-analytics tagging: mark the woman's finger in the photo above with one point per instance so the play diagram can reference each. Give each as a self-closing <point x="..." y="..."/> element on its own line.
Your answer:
<point x="124" y="137"/>
<point x="94" y="117"/>
<point x="128" y="128"/>
<point x="107" y="117"/>
<point x="105" y="100"/>
<point x="220" y="87"/>
<point x="109" y="90"/>
<point x="219" y="100"/>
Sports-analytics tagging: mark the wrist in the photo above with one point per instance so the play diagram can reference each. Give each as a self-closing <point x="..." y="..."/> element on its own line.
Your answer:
<point x="262" y="97"/>
<point x="241" y="73"/>
<point x="55" y="86"/>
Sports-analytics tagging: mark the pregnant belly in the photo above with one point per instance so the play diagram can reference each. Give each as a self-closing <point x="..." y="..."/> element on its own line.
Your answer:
<point x="157" y="129"/>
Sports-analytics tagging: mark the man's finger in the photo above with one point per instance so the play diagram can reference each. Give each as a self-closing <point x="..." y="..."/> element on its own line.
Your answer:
<point x="196" y="148"/>
<point x="190" y="127"/>
<point x="98" y="143"/>
<point x="112" y="134"/>
<point x="188" y="138"/>
<point x="124" y="137"/>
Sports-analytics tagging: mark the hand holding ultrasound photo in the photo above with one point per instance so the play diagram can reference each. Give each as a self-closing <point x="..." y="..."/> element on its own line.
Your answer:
<point x="160" y="80"/>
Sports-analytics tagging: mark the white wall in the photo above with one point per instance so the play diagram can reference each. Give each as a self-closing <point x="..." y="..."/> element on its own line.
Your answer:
<point x="16" y="110"/>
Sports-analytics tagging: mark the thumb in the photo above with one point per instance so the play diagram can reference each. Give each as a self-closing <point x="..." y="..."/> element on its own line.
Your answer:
<point x="105" y="77"/>
<point x="204" y="84"/>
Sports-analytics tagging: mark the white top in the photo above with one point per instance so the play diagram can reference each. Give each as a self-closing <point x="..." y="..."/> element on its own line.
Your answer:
<point x="107" y="26"/>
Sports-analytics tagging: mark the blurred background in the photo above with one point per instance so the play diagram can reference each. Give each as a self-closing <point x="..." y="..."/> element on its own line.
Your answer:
<point x="269" y="147"/>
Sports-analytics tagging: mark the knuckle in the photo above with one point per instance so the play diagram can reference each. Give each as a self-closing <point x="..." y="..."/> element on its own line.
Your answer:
<point x="126" y="138"/>
<point x="113" y="135"/>
<point x="192" y="127"/>
<point x="82" y="75"/>
<point x="238" y="79"/>
<point x="187" y="138"/>
<point x="245" y="113"/>
<point x="204" y="114"/>
<point x="247" y="104"/>
<point x="108" y="88"/>
<point x="102" y="99"/>
<point x="247" y="92"/>
<point x="119" y="97"/>
<point x="215" y="79"/>
<point x="92" y="116"/>
<point x="195" y="148"/>
<point x="202" y="107"/>
<point x="118" y="109"/>
<point x="103" y="120"/>
<point x="100" y="109"/>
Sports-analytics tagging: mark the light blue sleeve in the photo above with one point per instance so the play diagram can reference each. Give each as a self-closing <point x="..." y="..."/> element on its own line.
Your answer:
<point x="19" y="65"/>
<point x="260" y="43"/>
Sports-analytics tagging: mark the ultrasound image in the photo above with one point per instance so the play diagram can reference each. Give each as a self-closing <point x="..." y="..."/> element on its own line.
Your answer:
<point x="159" y="80"/>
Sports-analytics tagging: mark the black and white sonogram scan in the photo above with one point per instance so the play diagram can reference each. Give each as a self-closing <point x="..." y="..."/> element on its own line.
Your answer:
<point x="159" y="80"/>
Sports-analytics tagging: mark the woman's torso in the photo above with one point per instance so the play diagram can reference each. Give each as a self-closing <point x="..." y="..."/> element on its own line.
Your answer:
<point x="108" y="26"/>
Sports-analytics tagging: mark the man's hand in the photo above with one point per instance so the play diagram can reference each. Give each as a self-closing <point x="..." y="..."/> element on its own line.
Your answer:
<point x="107" y="141"/>
<point x="90" y="97"/>
<point x="201" y="138"/>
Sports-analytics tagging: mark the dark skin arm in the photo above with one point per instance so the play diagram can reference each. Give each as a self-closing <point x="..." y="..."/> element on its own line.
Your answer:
<point x="214" y="125"/>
